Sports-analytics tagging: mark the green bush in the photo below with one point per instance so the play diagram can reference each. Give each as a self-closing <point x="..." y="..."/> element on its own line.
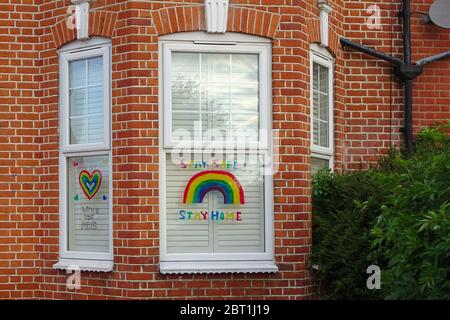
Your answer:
<point x="345" y="207"/>
<point x="413" y="230"/>
<point x="396" y="216"/>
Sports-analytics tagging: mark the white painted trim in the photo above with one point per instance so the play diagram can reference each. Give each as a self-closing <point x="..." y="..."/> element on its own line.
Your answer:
<point x="218" y="267"/>
<point x="91" y="261"/>
<point x="63" y="202"/>
<point x="225" y="262"/>
<point x="82" y="19"/>
<point x="216" y="16"/>
<point x="64" y="58"/>
<point x="229" y="37"/>
<point x="325" y="10"/>
<point x="80" y="1"/>
<point x="84" y="265"/>
<point x="85" y="45"/>
<point x="321" y="52"/>
<point x="323" y="57"/>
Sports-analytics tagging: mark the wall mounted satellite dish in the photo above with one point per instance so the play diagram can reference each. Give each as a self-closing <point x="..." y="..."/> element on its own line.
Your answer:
<point x="440" y="13"/>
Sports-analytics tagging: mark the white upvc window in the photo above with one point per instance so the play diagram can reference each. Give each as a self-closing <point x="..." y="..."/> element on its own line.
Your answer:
<point x="322" y="70"/>
<point x="85" y="156"/>
<point x="215" y="197"/>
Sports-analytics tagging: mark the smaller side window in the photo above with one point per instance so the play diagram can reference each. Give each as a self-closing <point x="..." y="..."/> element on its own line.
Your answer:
<point x="85" y="99"/>
<point x="85" y="156"/>
<point x="321" y="110"/>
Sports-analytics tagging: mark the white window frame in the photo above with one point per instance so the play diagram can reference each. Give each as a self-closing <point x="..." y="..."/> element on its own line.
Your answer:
<point x="216" y="262"/>
<point x="84" y="51"/>
<point x="322" y="57"/>
<point x="95" y="47"/>
<point x="263" y="49"/>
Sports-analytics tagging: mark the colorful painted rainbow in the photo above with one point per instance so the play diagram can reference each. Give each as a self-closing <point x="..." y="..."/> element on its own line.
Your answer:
<point x="214" y="180"/>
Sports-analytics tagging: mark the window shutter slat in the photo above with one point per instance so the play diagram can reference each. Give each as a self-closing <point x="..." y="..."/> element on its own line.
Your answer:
<point x="212" y="236"/>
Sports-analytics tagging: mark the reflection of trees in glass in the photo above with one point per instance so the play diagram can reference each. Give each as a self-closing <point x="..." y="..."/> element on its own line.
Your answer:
<point x="225" y="100"/>
<point x="184" y="86"/>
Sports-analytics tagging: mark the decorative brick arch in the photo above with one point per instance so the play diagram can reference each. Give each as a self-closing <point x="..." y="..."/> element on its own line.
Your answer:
<point x="101" y="23"/>
<point x="313" y="31"/>
<point x="192" y="18"/>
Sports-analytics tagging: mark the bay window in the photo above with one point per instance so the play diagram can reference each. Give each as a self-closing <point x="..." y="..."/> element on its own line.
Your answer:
<point x="216" y="198"/>
<point x="85" y="156"/>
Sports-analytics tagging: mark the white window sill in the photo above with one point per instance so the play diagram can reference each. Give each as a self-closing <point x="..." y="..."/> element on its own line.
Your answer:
<point x="84" y="265"/>
<point x="189" y="267"/>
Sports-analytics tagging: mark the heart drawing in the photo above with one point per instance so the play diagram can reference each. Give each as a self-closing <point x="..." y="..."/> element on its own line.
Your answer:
<point x="90" y="182"/>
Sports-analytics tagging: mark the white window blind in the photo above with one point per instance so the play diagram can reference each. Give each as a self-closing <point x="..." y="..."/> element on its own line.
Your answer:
<point x="218" y="92"/>
<point x="211" y="235"/>
<point x="320" y="92"/>
<point x="86" y="108"/>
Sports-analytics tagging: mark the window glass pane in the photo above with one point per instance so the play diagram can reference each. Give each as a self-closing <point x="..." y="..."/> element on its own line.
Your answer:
<point x="95" y="71"/>
<point x="216" y="98"/>
<point x="188" y="125"/>
<point x="323" y="79"/>
<point x="244" y="68"/>
<point x="185" y="82"/>
<point x="319" y="164"/>
<point x="323" y="134"/>
<point x="77" y="71"/>
<point x="244" y="125"/>
<point x="201" y="222"/>
<point x="316" y="76"/>
<point x="86" y="110"/>
<point x="215" y="68"/>
<point x="320" y="94"/>
<point x="95" y="98"/>
<point x="315" y="123"/>
<point x="95" y="129"/>
<point x="77" y="129"/>
<point x="316" y="132"/>
<point x="88" y="204"/>
<point x="77" y="102"/>
<point x="245" y="98"/>
<point x="214" y="88"/>
<point x="324" y="107"/>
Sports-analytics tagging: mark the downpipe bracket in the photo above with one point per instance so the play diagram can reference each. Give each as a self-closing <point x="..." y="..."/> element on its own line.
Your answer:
<point x="408" y="72"/>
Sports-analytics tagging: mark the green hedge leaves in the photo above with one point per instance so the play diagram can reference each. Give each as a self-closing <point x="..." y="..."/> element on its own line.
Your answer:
<point x="396" y="216"/>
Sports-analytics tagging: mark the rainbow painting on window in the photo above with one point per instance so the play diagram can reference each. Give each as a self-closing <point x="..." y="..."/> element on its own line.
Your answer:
<point x="214" y="180"/>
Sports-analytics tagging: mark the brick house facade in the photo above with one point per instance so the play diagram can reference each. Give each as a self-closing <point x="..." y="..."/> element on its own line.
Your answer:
<point x="368" y="116"/>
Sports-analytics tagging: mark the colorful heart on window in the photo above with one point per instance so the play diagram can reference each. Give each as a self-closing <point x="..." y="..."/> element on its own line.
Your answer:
<point x="90" y="182"/>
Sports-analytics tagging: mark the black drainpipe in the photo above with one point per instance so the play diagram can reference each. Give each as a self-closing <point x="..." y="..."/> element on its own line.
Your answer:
<point x="408" y="82"/>
<point x="406" y="70"/>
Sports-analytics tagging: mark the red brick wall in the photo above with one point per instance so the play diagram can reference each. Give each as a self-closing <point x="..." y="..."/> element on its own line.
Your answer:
<point x="373" y="113"/>
<point x="432" y="90"/>
<point x="20" y="170"/>
<point x="135" y="158"/>
<point x="367" y="122"/>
